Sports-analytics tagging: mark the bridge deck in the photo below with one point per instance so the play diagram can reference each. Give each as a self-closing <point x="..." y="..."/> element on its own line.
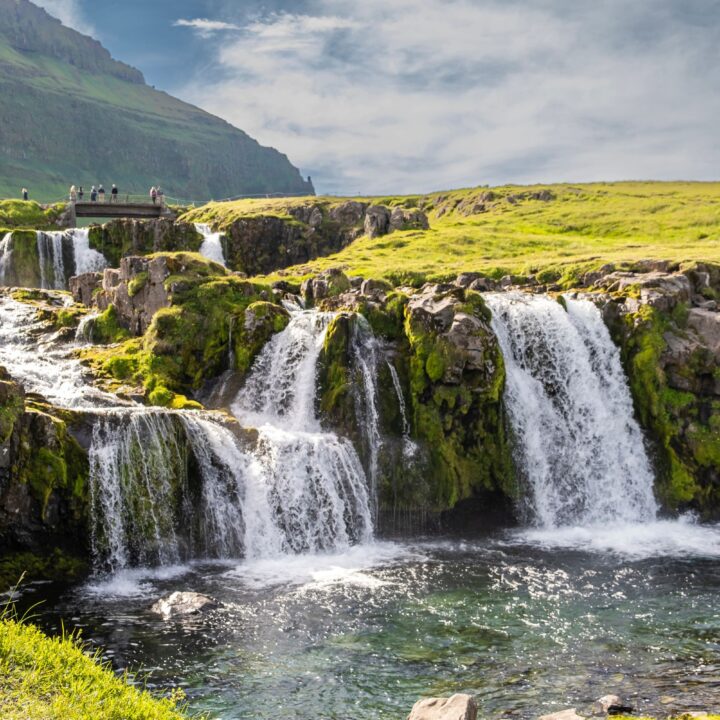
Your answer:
<point x="119" y="210"/>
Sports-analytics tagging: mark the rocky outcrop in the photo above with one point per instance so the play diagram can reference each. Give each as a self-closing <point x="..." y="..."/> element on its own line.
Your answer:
<point x="440" y="353"/>
<point x="260" y="243"/>
<point x="121" y="238"/>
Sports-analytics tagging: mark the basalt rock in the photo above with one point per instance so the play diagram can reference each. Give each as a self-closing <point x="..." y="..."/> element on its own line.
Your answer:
<point x="182" y="604"/>
<point x="456" y="707"/>
<point x="377" y="221"/>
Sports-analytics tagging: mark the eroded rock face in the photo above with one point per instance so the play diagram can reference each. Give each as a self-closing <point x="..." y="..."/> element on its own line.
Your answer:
<point x="377" y="221"/>
<point x="182" y="604"/>
<point x="137" y="290"/>
<point x="456" y="707"/>
<point x="83" y="287"/>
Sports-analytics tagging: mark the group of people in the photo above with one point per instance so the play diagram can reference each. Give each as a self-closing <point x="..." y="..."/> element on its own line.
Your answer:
<point x="157" y="195"/>
<point x="97" y="194"/>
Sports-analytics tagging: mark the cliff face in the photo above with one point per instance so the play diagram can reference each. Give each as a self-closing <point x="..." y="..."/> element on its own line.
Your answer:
<point x="72" y="114"/>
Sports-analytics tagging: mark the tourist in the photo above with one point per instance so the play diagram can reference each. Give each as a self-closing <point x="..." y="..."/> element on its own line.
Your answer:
<point x="93" y="194"/>
<point x="101" y="194"/>
<point x="25" y="194"/>
<point x="114" y="193"/>
<point x="153" y="194"/>
<point x="81" y="193"/>
<point x="160" y="195"/>
<point x="73" y="193"/>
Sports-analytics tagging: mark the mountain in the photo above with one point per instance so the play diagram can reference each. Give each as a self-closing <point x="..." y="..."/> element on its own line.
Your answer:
<point x="70" y="113"/>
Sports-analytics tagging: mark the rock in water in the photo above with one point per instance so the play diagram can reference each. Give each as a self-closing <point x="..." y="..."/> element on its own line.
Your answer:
<point x="456" y="707"/>
<point x="179" y="604"/>
<point x="611" y="705"/>
<point x="563" y="715"/>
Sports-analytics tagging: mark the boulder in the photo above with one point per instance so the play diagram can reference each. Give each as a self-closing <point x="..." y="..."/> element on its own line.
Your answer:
<point x="351" y="212"/>
<point x="483" y="284"/>
<point x="706" y="324"/>
<point x="434" y="306"/>
<point x="456" y="707"/>
<point x="611" y="705"/>
<point x="662" y="291"/>
<point x="466" y="279"/>
<point x="83" y="287"/>
<point x="377" y="221"/>
<point x="325" y="285"/>
<point x="372" y="287"/>
<point x="181" y="604"/>
<point x="408" y="219"/>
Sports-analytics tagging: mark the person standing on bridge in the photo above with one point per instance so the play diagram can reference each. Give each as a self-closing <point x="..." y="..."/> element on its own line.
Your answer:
<point x="160" y="195"/>
<point x="81" y="193"/>
<point x="101" y="193"/>
<point x="25" y="194"/>
<point x="114" y="193"/>
<point x="153" y="194"/>
<point x="93" y="194"/>
<point x="73" y="193"/>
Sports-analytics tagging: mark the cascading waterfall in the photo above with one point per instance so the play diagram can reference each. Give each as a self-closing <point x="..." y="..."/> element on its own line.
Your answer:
<point x="211" y="247"/>
<point x="86" y="258"/>
<point x="6" y="249"/>
<point x="579" y="447"/>
<point x="51" y="252"/>
<point x="315" y="481"/>
<point x="50" y="258"/>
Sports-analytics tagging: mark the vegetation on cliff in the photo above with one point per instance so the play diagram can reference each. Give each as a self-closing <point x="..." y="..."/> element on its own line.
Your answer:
<point x="556" y="232"/>
<point x="29" y="215"/>
<point x="53" y="678"/>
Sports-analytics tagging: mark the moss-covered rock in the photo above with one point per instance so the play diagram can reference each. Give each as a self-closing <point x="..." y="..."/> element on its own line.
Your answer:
<point x="675" y="382"/>
<point x="43" y="476"/>
<point x="123" y="238"/>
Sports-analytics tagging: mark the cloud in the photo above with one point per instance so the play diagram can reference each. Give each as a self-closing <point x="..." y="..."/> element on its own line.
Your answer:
<point x="69" y="13"/>
<point x="416" y="95"/>
<point x="206" y="27"/>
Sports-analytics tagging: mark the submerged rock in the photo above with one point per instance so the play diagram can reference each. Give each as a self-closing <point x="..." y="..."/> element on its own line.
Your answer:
<point x="456" y="707"/>
<point x="569" y="714"/>
<point x="180" y="604"/>
<point x="611" y="705"/>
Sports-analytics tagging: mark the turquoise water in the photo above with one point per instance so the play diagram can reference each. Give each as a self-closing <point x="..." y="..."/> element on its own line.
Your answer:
<point x="529" y="623"/>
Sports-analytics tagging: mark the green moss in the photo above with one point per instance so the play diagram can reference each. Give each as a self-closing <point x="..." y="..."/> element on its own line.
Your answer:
<point x="12" y="406"/>
<point x="435" y="365"/>
<point x="57" y="565"/>
<point x="107" y="329"/>
<point x="137" y="283"/>
<point x="29" y="214"/>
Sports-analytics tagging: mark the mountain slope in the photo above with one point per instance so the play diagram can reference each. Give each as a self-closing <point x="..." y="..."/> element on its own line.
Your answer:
<point x="72" y="114"/>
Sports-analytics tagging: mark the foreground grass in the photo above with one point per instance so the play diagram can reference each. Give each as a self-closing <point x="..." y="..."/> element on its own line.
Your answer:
<point x="581" y="227"/>
<point x="44" y="678"/>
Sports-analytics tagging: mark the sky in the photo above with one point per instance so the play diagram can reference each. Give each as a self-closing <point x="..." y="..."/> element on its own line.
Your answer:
<point x="404" y="96"/>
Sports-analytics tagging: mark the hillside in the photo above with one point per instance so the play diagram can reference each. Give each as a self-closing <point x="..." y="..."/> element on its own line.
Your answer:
<point x="561" y="229"/>
<point x="72" y="114"/>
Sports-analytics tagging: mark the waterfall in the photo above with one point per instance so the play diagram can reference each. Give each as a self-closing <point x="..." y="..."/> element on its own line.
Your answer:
<point x="51" y="246"/>
<point x="409" y="447"/>
<point x="86" y="259"/>
<point x="50" y="258"/>
<point x="6" y="248"/>
<point x="314" y="480"/>
<point x="211" y="247"/>
<point x="365" y="351"/>
<point x="86" y="328"/>
<point x="579" y="447"/>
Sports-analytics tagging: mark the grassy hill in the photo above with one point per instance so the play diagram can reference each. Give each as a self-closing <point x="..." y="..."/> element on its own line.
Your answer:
<point x="72" y="114"/>
<point x="560" y="229"/>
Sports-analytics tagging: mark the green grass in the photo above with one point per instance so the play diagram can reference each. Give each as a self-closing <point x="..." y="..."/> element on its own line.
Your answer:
<point x="584" y="226"/>
<point x="44" y="678"/>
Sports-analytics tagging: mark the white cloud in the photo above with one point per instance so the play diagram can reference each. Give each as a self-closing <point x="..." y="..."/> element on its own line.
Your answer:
<point x="416" y="95"/>
<point x="69" y="13"/>
<point x="206" y="27"/>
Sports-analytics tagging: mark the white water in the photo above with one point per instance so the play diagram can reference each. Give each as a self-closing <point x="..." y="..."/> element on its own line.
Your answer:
<point x="211" y="247"/>
<point x="314" y="480"/>
<point x="579" y="447"/>
<point x="50" y="257"/>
